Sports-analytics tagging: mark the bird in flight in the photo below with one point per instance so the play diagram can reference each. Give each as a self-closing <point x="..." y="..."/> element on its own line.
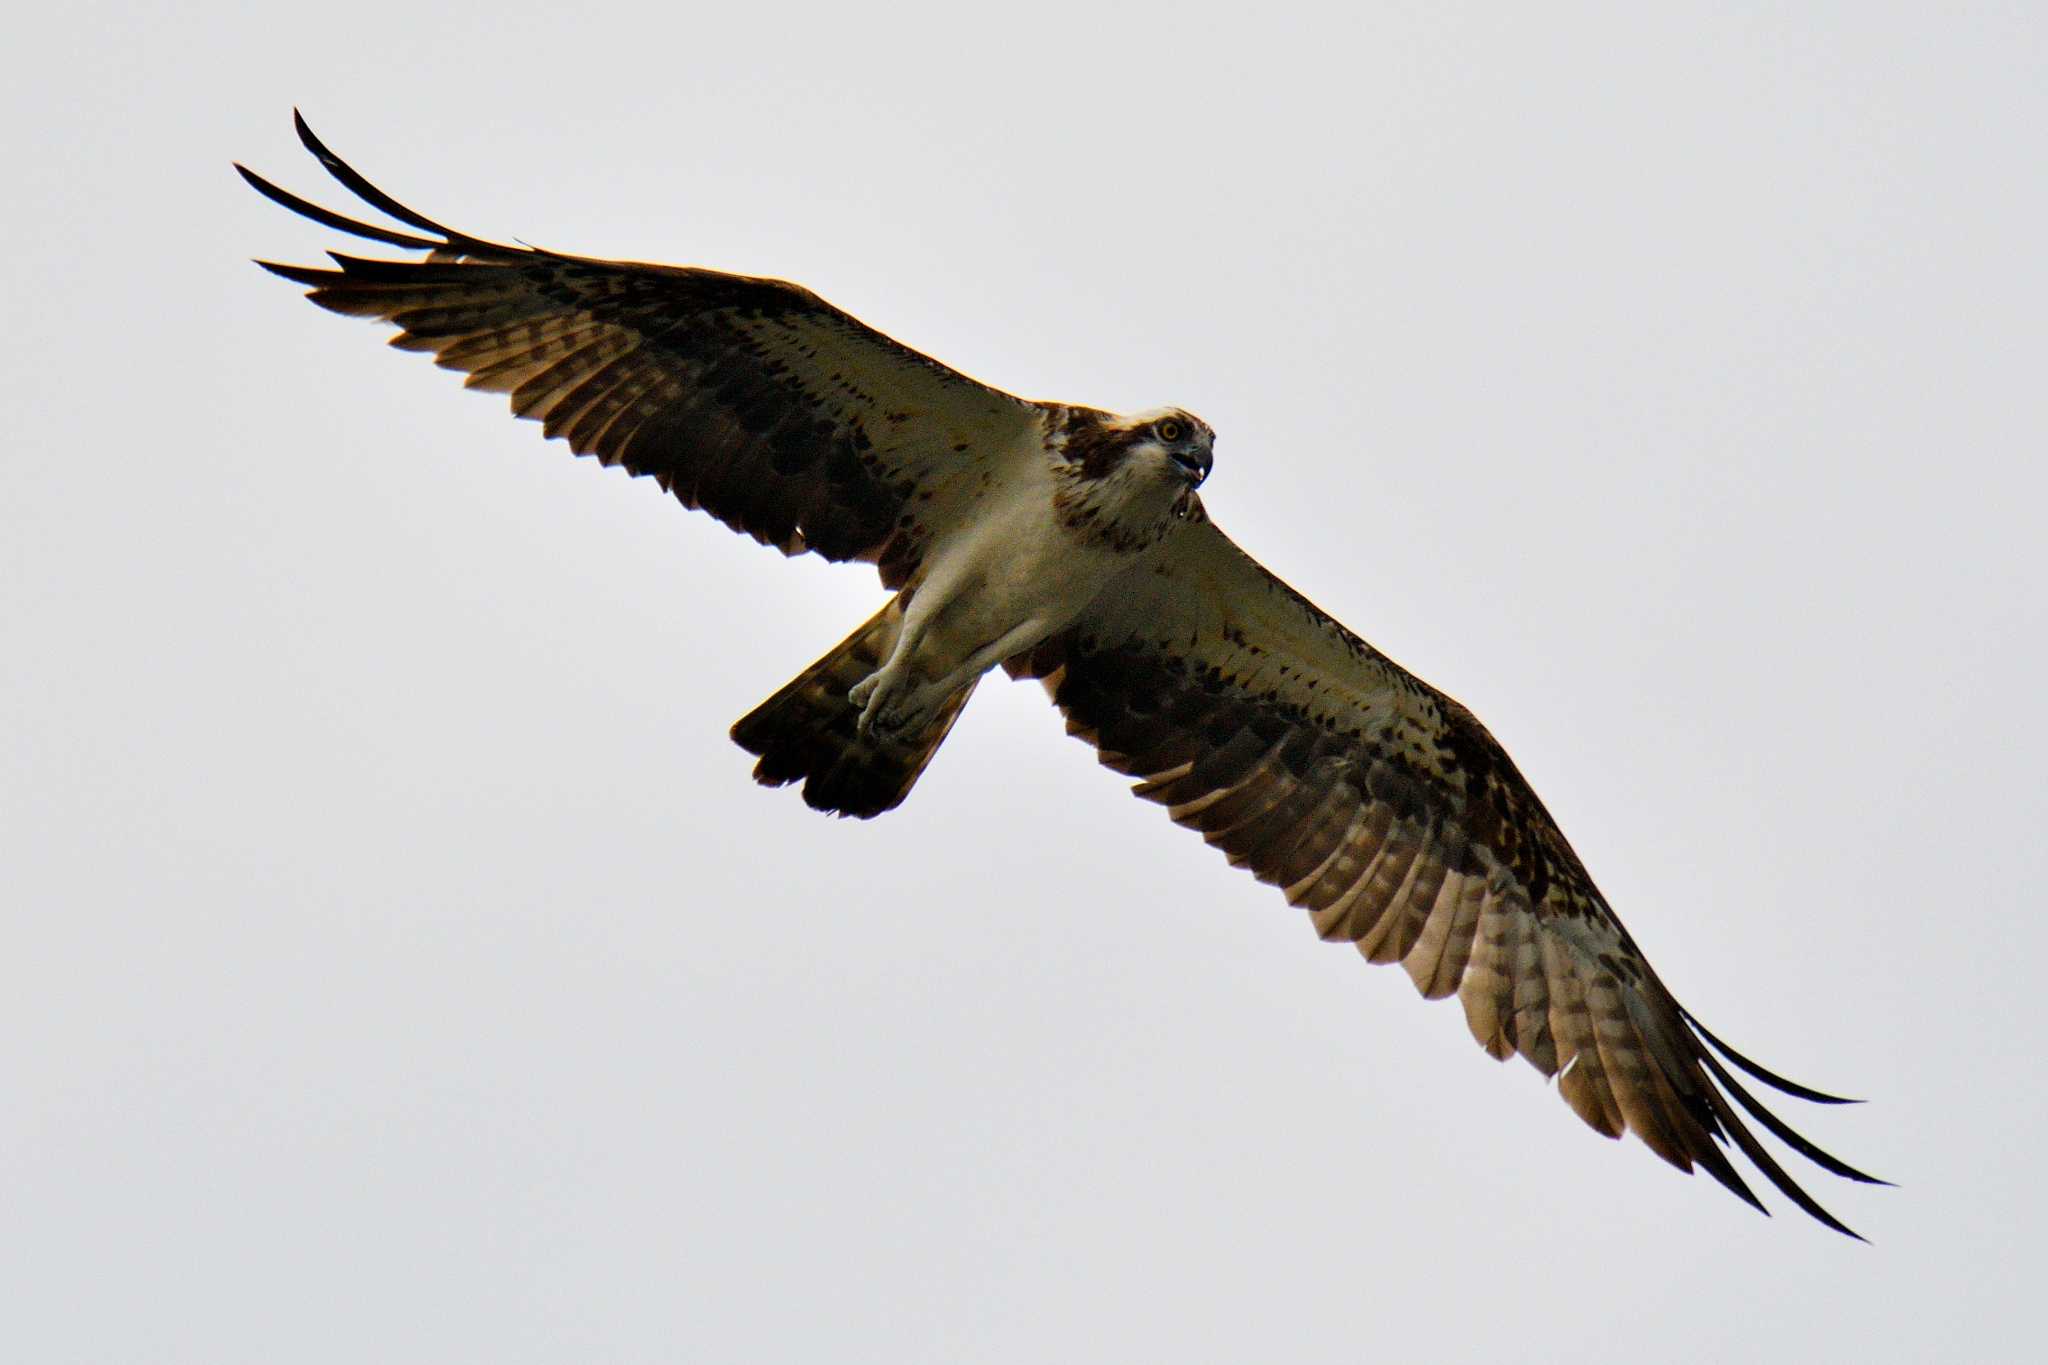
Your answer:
<point x="1069" y="545"/>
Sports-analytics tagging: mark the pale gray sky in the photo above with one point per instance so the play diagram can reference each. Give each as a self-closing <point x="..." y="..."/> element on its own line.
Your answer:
<point x="400" y="966"/>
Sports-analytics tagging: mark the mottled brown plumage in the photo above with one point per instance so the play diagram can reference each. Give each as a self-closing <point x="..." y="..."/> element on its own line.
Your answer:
<point x="1386" y="810"/>
<point x="750" y="398"/>
<point x="1069" y="545"/>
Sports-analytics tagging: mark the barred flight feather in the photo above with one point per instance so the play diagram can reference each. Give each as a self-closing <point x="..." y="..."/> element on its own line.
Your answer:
<point x="1388" y="814"/>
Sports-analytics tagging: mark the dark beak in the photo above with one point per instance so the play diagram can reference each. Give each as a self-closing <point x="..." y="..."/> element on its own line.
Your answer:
<point x="1195" y="464"/>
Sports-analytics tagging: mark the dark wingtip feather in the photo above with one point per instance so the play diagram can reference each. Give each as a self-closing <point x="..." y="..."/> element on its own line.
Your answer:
<point x="328" y="217"/>
<point x="1764" y="1074"/>
<point x="1732" y="1124"/>
<point x="1784" y="1131"/>
<point x="311" y="276"/>
<point x="368" y="193"/>
<point x="1730" y="1179"/>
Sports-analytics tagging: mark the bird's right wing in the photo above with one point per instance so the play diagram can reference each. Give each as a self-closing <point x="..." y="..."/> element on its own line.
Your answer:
<point x="753" y="399"/>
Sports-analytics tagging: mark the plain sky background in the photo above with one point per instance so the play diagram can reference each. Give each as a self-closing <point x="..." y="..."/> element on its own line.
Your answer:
<point x="399" y="965"/>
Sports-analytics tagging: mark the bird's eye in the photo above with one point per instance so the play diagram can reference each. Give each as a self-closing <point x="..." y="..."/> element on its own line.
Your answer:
<point x="1171" y="430"/>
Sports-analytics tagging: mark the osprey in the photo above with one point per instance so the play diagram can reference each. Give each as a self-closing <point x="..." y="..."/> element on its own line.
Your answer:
<point x="1069" y="545"/>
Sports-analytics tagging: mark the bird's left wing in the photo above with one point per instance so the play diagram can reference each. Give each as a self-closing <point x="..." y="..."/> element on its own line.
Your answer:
<point x="754" y="399"/>
<point x="1386" y="810"/>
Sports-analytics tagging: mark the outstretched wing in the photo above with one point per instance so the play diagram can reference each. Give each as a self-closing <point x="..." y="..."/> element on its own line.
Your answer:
<point x="753" y="399"/>
<point x="1386" y="810"/>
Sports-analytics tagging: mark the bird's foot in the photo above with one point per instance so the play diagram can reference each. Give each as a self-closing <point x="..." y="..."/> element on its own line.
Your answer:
<point x="883" y="698"/>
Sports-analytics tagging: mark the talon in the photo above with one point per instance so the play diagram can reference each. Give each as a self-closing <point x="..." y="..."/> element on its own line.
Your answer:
<point x="872" y="695"/>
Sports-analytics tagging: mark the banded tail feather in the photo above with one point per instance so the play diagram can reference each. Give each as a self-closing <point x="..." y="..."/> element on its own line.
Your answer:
<point x="809" y="731"/>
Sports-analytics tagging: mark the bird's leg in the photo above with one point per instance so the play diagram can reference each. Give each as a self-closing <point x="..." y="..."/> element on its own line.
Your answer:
<point x="1015" y="640"/>
<point x="880" y="694"/>
<point x="895" y="700"/>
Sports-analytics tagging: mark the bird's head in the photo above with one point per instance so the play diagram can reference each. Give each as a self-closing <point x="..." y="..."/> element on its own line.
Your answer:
<point x="1173" y="441"/>
<point x="1163" y="445"/>
<point x="1136" y="474"/>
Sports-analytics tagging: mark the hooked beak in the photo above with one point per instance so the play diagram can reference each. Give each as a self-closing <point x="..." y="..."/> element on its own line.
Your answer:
<point x="1195" y="465"/>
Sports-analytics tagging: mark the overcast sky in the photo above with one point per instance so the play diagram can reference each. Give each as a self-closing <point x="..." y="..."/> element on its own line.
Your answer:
<point x="399" y="964"/>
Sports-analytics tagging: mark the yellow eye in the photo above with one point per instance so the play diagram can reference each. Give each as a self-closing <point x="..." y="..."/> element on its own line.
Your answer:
<point x="1171" y="430"/>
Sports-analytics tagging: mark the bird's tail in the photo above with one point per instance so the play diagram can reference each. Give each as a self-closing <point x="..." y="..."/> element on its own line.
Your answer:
<point x="808" y="731"/>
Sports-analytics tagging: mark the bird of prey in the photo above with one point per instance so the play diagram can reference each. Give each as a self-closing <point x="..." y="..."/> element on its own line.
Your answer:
<point x="1069" y="545"/>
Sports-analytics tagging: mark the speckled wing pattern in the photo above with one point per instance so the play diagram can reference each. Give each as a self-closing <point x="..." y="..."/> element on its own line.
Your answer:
<point x="753" y="399"/>
<point x="1386" y="810"/>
